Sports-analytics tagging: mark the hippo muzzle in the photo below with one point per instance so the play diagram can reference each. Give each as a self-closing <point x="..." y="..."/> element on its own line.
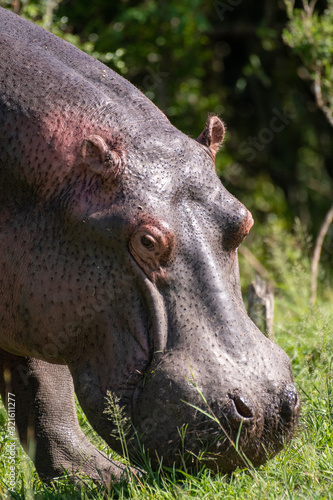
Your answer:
<point x="177" y="415"/>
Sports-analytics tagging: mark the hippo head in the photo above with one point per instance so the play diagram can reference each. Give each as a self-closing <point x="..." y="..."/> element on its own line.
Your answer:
<point x="171" y="336"/>
<point x="125" y="265"/>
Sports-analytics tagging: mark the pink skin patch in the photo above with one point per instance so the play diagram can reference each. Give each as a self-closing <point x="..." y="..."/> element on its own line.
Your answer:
<point x="248" y="223"/>
<point x="54" y="159"/>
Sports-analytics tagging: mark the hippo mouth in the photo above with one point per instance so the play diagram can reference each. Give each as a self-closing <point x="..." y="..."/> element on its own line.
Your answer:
<point x="243" y="436"/>
<point x="221" y="436"/>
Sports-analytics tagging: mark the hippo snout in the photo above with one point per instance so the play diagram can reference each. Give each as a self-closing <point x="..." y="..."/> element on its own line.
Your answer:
<point x="176" y="414"/>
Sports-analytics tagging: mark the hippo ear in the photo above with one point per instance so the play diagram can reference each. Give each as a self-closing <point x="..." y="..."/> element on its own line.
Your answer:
<point x="212" y="135"/>
<point x="101" y="159"/>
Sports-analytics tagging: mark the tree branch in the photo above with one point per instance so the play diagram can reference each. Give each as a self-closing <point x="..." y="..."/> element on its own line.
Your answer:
<point x="319" y="98"/>
<point x="254" y="262"/>
<point x="317" y="252"/>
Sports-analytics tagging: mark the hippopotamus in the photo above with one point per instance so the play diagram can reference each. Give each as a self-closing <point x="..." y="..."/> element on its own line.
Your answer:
<point x="119" y="276"/>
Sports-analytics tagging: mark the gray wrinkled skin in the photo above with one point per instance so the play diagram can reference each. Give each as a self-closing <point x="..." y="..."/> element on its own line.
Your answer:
<point x="118" y="255"/>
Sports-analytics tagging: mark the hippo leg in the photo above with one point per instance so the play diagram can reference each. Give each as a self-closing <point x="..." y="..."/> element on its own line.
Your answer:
<point x="47" y="423"/>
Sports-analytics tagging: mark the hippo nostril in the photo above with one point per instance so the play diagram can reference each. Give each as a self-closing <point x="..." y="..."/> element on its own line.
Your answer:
<point x="242" y="407"/>
<point x="290" y="403"/>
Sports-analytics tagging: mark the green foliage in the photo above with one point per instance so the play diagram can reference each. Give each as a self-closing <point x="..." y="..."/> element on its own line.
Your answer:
<point x="311" y="34"/>
<point x="122" y="426"/>
<point x="311" y="37"/>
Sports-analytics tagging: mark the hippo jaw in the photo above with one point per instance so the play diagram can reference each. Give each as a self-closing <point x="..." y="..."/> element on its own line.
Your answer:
<point x="179" y="425"/>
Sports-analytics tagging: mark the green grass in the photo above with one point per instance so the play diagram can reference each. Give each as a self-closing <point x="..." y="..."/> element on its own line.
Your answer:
<point x="304" y="470"/>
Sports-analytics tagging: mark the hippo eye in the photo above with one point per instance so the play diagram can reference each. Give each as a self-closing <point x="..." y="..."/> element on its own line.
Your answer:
<point x="148" y="242"/>
<point x="151" y="246"/>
